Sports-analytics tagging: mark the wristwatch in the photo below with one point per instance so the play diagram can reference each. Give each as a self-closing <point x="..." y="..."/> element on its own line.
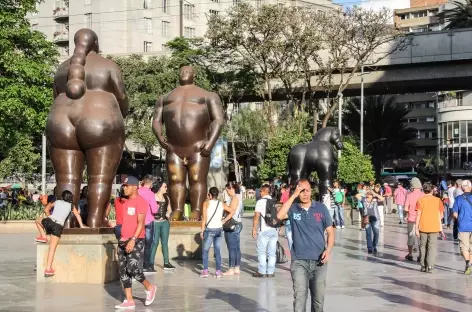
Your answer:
<point x="134" y="238"/>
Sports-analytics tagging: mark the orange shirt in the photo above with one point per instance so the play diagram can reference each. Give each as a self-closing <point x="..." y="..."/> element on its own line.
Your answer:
<point x="431" y="208"/>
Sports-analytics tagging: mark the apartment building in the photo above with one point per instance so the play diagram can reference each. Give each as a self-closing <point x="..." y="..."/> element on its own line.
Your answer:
<point x="136" y="26"/>
<point x="421" y="16"/>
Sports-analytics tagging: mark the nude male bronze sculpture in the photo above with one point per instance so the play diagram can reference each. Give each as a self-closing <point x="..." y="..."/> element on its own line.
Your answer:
<point x="193" y="119"/>
<point x="86" y="124"/>
<point x="317" y="155"/>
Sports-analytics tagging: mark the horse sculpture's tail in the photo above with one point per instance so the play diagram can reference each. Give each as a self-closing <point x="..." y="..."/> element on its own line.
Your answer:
<point x="288" y="169"/>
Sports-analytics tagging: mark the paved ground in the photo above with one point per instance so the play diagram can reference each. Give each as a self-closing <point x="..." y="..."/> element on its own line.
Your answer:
<point x="356" y="281"/>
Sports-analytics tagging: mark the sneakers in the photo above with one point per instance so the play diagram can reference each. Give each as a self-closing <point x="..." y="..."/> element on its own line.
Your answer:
<point x="41" y="239"/>
<point x="375" y="250"/>
<point x="149" y="270"/>
<point x="343" y="227"/>
<point x="168" y="267"/>
<point x="270" y="275"/>
<point x="429" y="269"/>
<point x="126" y="305"/>
<point x="237" y="271"/>
<point x="230" y="272"/>
<point x="218" y="274"/>
<point x="338" y="227"/>
<point x="409" y="258"/>
<point x="150" y="295"/>
<point x="369" y="251"/>
<point x="259" y="275"/>
<point x="468" y="270"/>
<point x="423" y="269"/>
<point x="49" y="273"/>
<point x="204" y="274"/>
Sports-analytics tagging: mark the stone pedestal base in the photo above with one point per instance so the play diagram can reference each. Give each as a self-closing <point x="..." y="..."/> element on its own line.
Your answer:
<point x="80" y="259"/>
<point x="184" y="242"/>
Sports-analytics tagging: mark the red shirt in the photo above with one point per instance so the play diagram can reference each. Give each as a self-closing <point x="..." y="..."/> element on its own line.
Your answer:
<point x="119" y="205"/>
<point x="131" y="208"/>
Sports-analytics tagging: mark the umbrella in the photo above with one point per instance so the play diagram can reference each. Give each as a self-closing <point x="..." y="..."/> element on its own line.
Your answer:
<point x="17" y="186"/>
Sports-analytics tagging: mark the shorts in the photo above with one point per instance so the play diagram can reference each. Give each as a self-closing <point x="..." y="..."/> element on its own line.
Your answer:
<point x="465" y="241"/>
<point x="51" y="227"/>
<point x="411" y="228"/>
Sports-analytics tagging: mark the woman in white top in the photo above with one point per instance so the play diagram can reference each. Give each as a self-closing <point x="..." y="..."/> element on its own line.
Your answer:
<point x="212" y="228"/>
<point x="232" y="239"/>
<point x="54" y="223"/>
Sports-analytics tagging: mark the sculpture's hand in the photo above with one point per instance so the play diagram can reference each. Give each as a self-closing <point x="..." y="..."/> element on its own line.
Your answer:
<point x="205" y="149"/>
<point x="165" y="145"/>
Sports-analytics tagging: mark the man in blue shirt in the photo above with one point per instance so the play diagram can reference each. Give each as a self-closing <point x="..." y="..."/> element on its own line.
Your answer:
<point x="462" y="213"/>
<point x="309" y="220"/>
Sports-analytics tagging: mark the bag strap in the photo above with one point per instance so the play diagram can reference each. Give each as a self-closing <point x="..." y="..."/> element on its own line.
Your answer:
<point x="470" y="203"/>
<point x="206" y="225"/>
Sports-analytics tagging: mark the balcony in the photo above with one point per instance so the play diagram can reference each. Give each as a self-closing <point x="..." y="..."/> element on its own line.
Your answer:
<point x="60" y="13"/>
<point x="61" y="37"/>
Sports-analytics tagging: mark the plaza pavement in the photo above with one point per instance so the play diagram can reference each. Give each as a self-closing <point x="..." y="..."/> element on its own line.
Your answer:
<point x="356" y="281"/>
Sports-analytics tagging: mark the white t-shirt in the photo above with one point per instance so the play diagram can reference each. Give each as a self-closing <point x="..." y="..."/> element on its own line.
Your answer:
<point x="450" y="194"/>
<point x="261" y="208"/>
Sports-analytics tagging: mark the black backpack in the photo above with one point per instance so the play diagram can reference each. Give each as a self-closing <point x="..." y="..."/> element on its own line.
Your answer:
<point x="270" y="217"/>
<point x="281" y="257"/>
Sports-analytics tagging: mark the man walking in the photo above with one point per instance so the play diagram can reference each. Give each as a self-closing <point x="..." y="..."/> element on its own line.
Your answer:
<point x="339" y="200"/>
<point x="400" y="199"/>
<point x="146" y="193"/>
<point x="462" y="213"/>
<point x="310" y="252"/>
<point x="429" y="212"/>
<point x="131" y="245"/>
<point x="388" y="194"/>
<point x="457" y="192"/>
<point x="267" y="236"/>
<point x="410" y="210"/>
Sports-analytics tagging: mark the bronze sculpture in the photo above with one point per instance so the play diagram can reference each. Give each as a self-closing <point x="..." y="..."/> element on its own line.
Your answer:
<point x="193" y="120"/>
<point x="86" y="124"/>
<point x="317" y="155"/>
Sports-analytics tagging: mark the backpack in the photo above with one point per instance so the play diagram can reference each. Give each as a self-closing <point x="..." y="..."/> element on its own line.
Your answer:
<point x="280" y="255"/>
<point x="270" y="217"/>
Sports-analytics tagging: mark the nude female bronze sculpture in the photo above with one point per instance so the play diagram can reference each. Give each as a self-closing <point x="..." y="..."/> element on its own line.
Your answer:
<point x="193" y="120"/>
<point x="317" y="155"/>
<point x="86" y="124"/>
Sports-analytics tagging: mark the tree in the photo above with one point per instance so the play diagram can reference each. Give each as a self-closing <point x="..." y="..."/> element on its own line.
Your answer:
<point x="27" y="62"/>
<point x="354" y="167"/>
<point x="385" y="133"/>
<point x="460" y="16"/>
<point x="354" y="39"/>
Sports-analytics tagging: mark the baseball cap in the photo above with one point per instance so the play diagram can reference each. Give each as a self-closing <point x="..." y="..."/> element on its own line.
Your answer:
<point x="466" y="183"/>
<point x="415" y="183"/>
<point x="130" y="180"/>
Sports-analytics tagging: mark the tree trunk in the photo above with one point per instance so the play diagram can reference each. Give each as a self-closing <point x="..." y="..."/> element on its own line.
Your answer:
<point x="235" y="158"/>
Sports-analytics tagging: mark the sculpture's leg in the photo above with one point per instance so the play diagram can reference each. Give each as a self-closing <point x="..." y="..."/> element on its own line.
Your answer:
<point x="177" y="173"/>
<point x="198" y="172"/>
<point x="102" y="164"/>
<point x="68" y="166"/>
<point x="325" y="174"/>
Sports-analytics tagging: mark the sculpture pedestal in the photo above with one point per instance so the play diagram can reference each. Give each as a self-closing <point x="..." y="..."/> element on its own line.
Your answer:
<point x="184" y="242"/>
<point x="81" y="258"/>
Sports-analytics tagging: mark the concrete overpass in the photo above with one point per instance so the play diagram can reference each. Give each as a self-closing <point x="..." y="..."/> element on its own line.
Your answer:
<point x="433" y="61"/>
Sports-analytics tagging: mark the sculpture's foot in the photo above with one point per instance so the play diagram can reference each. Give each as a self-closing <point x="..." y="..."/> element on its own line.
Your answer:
<point x="176" y="215"/>
<point x="195" y="215"/>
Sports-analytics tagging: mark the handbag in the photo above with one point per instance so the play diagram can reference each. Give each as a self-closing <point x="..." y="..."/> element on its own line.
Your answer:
<point x="230" y="225"/>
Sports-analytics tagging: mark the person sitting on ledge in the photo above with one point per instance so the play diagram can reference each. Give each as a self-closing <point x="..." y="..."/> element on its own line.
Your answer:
<point x="53" y="224"/>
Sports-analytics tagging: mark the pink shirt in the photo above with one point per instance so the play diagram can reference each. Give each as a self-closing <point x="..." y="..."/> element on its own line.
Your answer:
<point x="149" y="197"/>
<point x="410" y="205"/>
<point x="400" y="196"/>
<point x="285" y="196"/>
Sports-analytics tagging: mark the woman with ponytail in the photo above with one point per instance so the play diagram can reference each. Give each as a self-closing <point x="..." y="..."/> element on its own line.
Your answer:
<point x="86" y="124"/>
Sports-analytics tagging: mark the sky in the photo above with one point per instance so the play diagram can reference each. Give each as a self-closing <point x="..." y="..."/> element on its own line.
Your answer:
<point x="376" y="4"/>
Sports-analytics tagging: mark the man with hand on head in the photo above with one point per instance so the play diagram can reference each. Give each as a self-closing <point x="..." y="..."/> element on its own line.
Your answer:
<point x="309" y="220"/>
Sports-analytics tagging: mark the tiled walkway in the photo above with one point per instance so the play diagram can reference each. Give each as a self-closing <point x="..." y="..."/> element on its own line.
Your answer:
<point x="356" y="281"/>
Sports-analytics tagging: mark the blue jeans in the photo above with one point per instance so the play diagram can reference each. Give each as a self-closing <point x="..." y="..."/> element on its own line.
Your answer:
<point x="149" y="228"/>
<point x="308" y="274"/>
<point x="447" y="215"/>
<point x="267" y="244"/>
<point x="372" y="226"/>
<point x="400" y="212"/>
<point x="288" y="233"/>
<point x="233" y="242"/>
<point x="339" y="215"/>
<point x="118" y="231"/>
<point x="212" y="236"/>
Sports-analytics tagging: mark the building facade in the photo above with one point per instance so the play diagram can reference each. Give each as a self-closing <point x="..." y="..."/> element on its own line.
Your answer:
<point x="131" y="26"/>
<point x="421" y="16"/>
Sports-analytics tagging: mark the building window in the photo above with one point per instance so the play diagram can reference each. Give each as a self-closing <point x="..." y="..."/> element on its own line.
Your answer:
<point x="419" y="14"/>
<point x="189" y="32"/>
<point x="431" y="104"/>
<point x="189" y="11"/>
<point x="165" y="28"/>
<point x="148" y="25"/>
<point x="430" y="119"/>
<point x="147" y="46"/>
<point x="215" y="1"/>
<point x="60" y="4"/>
<point x="34" y="26"/>
<point x="88" y="20"/>
<point x="165" y="6"/>
<point x="410" y="120"/>
<point x="87" y="2"/>
<point x="236" y="1"/>
<point x="419" y="29"/>
<point x="214" y="12"/>
<point x="147" y="4"/>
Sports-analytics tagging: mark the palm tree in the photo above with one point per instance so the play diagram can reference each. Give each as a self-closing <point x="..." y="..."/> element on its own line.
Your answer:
<point x="386" y="137"/>
<point x="460" y="16"/>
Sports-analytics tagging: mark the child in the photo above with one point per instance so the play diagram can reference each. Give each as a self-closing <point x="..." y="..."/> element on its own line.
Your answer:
<point x="54" y="223"/>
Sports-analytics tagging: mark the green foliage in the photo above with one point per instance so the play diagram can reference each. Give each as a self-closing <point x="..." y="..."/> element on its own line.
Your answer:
<point x="290" y="132"/>
<point x="353" y="165"/>
<point x="459" y="16"/>
<point x="27" y="62"/>
<point x="21" y="212"/>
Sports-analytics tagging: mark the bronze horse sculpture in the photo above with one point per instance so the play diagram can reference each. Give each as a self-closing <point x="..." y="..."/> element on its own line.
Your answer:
<point x="316" y="156"/>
